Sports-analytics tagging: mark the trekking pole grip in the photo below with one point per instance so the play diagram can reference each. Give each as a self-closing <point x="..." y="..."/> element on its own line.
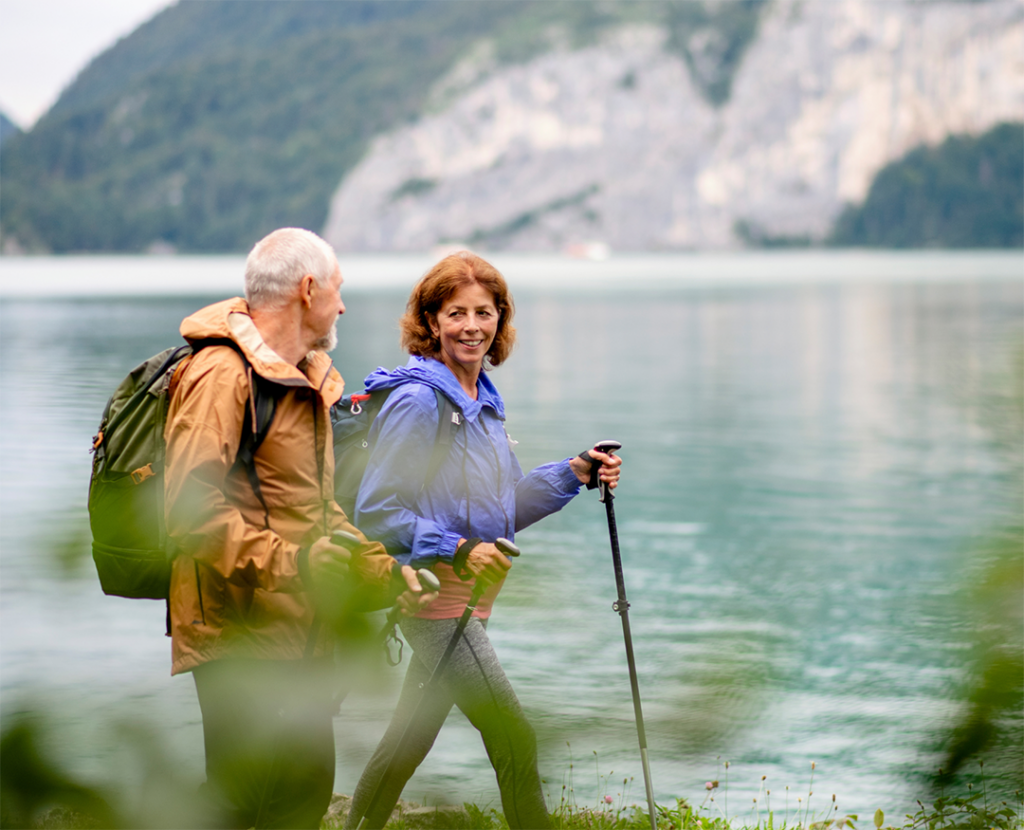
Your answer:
<point x="608" y="446"/>
<point x="428" y="582"/>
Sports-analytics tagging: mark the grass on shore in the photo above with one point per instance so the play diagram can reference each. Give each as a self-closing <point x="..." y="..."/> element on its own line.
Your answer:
<point x="973" y="811"/>
<point x="945" y="814"/>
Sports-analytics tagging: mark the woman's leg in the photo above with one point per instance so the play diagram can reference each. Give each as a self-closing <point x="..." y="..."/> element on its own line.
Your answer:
<point x="429" y="722"/>
<point x="475" y="680"/>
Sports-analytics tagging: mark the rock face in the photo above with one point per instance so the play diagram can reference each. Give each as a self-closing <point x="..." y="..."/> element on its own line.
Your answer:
<point x="615" y="144"/>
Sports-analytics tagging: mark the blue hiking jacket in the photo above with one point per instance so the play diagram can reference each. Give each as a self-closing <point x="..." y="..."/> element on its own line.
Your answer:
<point x="479" y="490"/>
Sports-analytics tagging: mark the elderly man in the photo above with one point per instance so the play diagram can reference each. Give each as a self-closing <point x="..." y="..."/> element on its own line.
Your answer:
<point x="251" y="551"/>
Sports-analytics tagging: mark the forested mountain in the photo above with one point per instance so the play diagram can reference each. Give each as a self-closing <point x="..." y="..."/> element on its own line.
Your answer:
<point x="217" y="121"/>
<point x="7" y="128"/>
<point x="967" y="192"/>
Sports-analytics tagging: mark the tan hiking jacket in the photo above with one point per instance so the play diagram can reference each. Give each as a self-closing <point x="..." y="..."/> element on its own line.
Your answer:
<point x="236" y="590"/>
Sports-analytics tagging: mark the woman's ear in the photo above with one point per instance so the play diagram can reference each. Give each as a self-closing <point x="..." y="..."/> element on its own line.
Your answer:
<point x="435" y="329"/>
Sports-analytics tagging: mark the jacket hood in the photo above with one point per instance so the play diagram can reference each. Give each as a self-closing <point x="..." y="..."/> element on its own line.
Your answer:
<point x="230" y="320"/>
<point x="434" y="373"/>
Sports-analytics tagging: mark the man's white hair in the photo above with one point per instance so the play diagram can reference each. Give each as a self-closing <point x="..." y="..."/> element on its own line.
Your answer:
<point x="279" y="261"/>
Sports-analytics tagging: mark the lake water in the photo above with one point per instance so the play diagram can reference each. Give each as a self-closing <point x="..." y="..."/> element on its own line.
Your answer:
<point x="806" y="466"/>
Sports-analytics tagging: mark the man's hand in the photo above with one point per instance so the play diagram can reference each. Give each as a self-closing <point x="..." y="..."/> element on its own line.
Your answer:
<point x="609" y="471"/>
<point x="329" y="564"/>
<point x="414" y="598"/>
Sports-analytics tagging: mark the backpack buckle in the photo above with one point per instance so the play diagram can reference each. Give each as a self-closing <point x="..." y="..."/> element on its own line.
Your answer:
<point x="357" y="404"/>
<point x="141" y="474"/>
<point x="393" y="637"/>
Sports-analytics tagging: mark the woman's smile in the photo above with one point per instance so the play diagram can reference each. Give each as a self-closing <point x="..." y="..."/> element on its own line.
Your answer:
<point x="465" y="326"/>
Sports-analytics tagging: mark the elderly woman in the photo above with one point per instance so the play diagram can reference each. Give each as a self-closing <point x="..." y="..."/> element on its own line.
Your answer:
<point x="458" y="319"/>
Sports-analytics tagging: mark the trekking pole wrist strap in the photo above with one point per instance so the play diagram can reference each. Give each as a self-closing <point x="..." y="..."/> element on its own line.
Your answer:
<point x="461" y="555"/>
<point x="595" y="467"/>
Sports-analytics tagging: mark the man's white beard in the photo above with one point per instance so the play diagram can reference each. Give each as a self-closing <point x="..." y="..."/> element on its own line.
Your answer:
<point x="328" y="342"/>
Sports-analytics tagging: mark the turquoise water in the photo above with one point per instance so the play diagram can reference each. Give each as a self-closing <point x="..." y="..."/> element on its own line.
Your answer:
<point x="806" y="464"/>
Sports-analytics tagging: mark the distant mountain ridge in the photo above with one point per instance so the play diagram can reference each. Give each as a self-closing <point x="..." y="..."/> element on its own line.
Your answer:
<point x="217" y="121"/>
<point x="618" y="143"/>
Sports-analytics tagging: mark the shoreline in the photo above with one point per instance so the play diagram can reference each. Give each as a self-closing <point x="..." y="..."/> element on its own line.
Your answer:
<point x="116" y="275"/>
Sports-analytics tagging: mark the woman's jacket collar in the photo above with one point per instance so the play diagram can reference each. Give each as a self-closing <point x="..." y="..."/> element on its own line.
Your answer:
<point x="435" y="374"/>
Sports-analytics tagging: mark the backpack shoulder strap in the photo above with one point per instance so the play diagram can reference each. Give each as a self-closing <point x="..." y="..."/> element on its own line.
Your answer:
<point x="265" y="406"/>
<point x="259" y="415"/>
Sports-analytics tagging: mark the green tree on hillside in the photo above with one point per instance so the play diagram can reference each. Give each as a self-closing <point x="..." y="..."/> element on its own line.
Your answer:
<point x="8" y="128"/>
<point x="967" y="192"/>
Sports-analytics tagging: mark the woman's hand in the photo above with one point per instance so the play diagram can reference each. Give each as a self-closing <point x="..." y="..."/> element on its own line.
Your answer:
<point x="608" y="473"/>
<point x="487" y="563"/>
<point x="415" y="598"/>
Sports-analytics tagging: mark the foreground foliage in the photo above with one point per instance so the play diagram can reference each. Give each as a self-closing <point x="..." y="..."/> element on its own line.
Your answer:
<point x="35" y="792"/>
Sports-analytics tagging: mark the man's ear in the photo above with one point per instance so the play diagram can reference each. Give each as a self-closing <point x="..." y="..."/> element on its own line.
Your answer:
<point x="306" y="287"/>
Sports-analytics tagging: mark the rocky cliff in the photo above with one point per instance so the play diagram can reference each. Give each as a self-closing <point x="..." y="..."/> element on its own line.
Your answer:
<point x="618" y="142"/>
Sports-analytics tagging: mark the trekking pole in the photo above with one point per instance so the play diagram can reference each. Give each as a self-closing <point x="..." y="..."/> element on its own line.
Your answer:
<point x="507" y="548"/>
<point x="621" y="606"/>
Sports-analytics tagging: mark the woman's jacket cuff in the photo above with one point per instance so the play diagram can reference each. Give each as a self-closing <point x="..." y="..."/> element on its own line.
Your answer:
<point x="568" y="480"/>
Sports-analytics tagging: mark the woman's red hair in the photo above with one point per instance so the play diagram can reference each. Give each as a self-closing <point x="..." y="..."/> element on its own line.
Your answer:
<point x="437" y="286"/>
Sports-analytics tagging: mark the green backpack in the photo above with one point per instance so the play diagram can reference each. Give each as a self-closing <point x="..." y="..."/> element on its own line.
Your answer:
<point x="126" y="492"/>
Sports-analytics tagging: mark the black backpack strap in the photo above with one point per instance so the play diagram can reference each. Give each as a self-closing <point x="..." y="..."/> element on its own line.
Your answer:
<point x="262" y="405"/>
<point x="265" y="406"/>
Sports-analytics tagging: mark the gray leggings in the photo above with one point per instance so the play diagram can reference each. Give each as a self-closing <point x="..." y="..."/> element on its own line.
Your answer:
<point x="475" y="682"/>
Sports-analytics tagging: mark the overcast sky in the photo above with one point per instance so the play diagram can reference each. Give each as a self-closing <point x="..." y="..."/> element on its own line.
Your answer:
<point x="44" y="44"/>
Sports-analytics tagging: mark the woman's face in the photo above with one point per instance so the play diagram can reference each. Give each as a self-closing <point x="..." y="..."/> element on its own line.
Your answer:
<point x="466" y="326"/>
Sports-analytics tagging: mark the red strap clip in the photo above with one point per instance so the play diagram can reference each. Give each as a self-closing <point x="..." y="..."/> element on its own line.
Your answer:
<point x="357" y="403"/>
